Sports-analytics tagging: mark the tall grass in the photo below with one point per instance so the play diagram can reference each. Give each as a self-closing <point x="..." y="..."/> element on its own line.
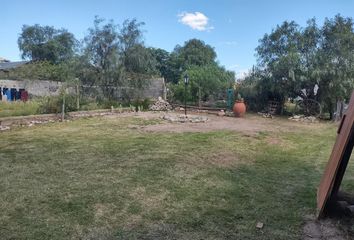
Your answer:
<point x="18" y="108"/>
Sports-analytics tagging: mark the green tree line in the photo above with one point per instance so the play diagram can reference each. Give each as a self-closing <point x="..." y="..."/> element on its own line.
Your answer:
<point x="292" y="60"/>
<point x="112" y="56"/>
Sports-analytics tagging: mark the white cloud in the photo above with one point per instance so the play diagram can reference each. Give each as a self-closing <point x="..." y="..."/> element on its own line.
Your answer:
<point x="197" y="21"/>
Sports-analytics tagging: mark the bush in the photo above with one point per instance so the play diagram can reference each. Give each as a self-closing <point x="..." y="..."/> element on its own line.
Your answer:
<point x="142" y="104"/>
<point x="249" y="93"/>
<point x="53" y="104"/>
<point x="49" y="105"/>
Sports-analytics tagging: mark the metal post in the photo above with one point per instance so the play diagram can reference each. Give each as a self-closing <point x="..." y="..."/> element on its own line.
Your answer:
<point x="185" y="99"/>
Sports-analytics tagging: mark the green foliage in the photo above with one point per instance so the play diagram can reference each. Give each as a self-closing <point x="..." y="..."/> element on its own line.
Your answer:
<point x="41" y="70"/>
<point x="249" y="90"/>
<point x="46" y="43"/>
<point x="102" y="64"/>
<point x="53" y="104"/>
<point x="207" y="78"/>
<point x="196" y="52"/>
<point x="116" y="57"/>
<point x="291" y="59"/>
<point x="162" y="58"/>
<point x="141" y="105"/>
<point x="205" y="82"/>
<point x="336" y="56"/>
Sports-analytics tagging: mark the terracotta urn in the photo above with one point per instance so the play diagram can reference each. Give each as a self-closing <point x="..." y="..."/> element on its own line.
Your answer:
<point x="239" y="108"/>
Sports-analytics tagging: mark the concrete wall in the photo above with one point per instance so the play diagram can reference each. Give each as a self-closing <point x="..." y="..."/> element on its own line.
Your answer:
<point x="52" y="88"/>
<point x="155" y="90"/>
<point x="34" y="87"/>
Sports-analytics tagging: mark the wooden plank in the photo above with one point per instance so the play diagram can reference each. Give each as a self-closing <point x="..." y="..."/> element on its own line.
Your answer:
<point x="199" y="108"/>
<point x="338" y="161"/>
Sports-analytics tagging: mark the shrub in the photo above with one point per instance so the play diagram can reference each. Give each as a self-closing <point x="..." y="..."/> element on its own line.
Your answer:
<point x="53" y="104"/>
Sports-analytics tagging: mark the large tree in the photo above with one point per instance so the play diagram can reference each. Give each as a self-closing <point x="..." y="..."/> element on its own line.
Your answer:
<point x="294" y="59"/>
<point x="138" y="62"/>
<point x="196" y="52"/>
<point x="336" y="56"/>
<point x="198" y="59"/>
<point x="101" y="51"/>
<point x="162" y="58"/>
<point x="117" y="58"/>
<point x="46" y="43"/>
<point x="278" y="53"/>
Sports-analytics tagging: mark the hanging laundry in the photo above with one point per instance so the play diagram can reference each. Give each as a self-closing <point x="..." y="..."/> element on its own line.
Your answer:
<point x="3" y="97"/>
<point x="18" y="95"/>
<point x="8" y="94"/>
<point x="13" y="94"/>
<point x="24" y="96"/>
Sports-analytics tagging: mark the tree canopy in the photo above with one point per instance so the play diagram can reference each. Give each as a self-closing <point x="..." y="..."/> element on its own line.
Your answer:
<point x="292" y="59"/>
<point x="116" y="56"/>
<point x="46" y="43"/>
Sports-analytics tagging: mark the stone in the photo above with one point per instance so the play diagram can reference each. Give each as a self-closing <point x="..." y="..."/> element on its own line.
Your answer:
<point x="4" y="128"/>
<point x="221" y="113"/>
<point x="182" y="118"/>
<point x="259" y="225"/>
<point x="312" y="229"/>
<point x="160" y="105"/>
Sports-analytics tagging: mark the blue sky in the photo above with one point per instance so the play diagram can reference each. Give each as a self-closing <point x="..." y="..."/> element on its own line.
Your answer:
<point x="233" y="28"/>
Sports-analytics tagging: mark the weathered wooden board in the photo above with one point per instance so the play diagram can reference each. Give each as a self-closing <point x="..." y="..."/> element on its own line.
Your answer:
<point x="338" y="161"/>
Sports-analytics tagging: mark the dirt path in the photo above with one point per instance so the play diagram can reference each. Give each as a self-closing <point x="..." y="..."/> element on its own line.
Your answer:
<point x="326" y="229"/>
<point x="251" y="124"/>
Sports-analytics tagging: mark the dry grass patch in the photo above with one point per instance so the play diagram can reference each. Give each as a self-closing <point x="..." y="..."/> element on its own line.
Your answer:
<point x="98" y="179"/>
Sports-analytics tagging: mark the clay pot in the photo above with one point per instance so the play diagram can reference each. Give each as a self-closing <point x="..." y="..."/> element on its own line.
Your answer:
<point x="239" y="108"/>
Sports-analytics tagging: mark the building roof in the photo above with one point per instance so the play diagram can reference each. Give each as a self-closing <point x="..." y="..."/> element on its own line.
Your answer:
<point x="10" y="65"/>
<point x="3" y="60"/>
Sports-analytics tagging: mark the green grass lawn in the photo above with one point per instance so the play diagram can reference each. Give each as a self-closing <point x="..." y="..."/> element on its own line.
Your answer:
<point x="104" y="178"/>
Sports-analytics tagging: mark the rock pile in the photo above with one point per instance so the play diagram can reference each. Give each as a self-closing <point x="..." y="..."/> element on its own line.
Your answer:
<point x="221" y="113"/>
<point x="160" y="105"/>
<point x="4" y="128"/>
<point x="35" y="122"/>
<point x="266" y="114"/>
<point x="303" y="118"/>
<point x="185" y="119"/>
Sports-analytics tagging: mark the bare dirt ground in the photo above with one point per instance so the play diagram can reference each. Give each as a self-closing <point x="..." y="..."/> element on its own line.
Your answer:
<point x="251" y="124"/>
<point x="326" y="229"/>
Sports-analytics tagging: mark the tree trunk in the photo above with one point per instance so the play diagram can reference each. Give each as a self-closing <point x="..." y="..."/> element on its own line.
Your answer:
<point x="330" y="109"/>
<point x="199" y="97"/>
<point x="63" y="109"/>
<point x="164" y="90"/>
<point x="77" y="97"/>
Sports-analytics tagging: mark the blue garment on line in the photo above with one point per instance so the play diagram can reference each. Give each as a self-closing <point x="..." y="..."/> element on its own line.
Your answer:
<point x="8" y="95"/>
